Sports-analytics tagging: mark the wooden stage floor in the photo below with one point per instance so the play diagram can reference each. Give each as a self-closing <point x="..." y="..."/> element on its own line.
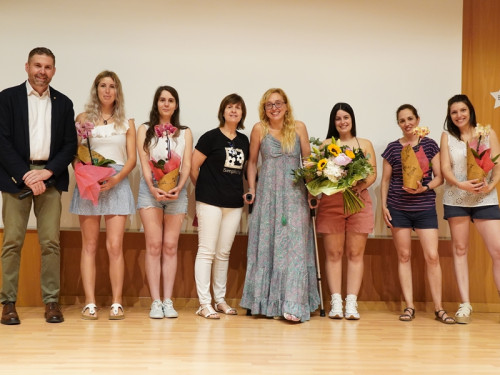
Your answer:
<point x="376" y="344"/>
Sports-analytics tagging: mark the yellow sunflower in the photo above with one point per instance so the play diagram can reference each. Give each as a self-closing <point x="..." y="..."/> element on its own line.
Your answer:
<point x="350" y="154"/>
<point x="334" y="149"/>
<point x="322" y="164"/>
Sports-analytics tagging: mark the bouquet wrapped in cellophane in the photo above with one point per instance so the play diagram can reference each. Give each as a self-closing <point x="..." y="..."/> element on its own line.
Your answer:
<point x="332" y="169"/>
<point x="479" y="160"/>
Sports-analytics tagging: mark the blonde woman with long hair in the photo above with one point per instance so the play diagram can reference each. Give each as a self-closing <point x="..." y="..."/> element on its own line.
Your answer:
<point x="281" y="274"/>
<point x="114" y="138"/>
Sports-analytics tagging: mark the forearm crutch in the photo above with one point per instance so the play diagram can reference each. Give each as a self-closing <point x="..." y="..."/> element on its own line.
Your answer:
<point x="316" y="256"/>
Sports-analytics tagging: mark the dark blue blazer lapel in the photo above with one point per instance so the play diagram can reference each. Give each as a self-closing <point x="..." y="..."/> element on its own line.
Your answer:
<point x="23" y="105"/>
<point x="55" y="116"/>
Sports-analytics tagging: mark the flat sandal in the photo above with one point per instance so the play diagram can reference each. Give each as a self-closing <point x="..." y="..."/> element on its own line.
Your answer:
<point x="405" y="317"/>
<point x="210" y="314"/>
<point x="91" y="308"/>
<point x="116" y="312"/>
<point x="440" y="317"/>
<point x="229" y="311"/>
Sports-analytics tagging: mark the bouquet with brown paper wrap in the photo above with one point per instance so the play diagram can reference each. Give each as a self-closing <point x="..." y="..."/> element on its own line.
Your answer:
<point x="412" y="173"/>
<point x="415" y="165"/>
<point x="166" y="171"/>
<point x="474" y="171"/>
<point x="83" y="153"/>
<point x="169" y="181"/>
<point x="479" y="161"/>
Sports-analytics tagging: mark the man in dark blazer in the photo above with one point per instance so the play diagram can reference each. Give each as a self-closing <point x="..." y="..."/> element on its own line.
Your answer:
<point x="37" y="142"/>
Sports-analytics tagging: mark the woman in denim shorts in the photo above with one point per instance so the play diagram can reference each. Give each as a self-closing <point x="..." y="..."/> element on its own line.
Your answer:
<point x="468" y="200"/>
<point x="162" y="212"/>
<point x="405" y="209"/>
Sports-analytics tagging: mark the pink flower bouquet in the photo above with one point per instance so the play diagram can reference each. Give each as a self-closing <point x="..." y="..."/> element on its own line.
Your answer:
<point x="92" y="168"/>
<point x="166" y="171"/>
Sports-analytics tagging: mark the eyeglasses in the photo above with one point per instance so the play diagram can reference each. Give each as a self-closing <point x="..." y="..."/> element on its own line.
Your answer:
<point x="278" y="105"/>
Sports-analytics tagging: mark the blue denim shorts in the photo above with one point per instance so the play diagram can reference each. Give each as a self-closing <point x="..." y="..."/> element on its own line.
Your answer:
<point x="116" y="201"/>
<point x="146" y="200"/>
<point x="426" y="219"/>
<point x="491" y="212"/>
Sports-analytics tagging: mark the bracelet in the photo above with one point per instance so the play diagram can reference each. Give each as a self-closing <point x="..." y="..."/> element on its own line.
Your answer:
<point x="428" y="187"/>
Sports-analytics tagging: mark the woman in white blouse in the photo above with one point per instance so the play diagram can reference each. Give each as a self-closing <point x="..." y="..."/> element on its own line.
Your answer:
<point x="468" y="200"/>
<point x="114" y="138"/>
<point x="162" y="212"/>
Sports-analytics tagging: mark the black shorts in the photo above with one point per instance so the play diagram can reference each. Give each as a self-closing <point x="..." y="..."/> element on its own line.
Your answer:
<point x="491" y="212"/>
<point x="426" y="219"/>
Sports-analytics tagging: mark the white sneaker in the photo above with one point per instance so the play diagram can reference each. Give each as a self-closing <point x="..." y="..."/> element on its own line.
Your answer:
<point x="351" y="307"/>
<point x="463" y="314"/>
<point x="168" y="309"/>
<point x="336" y="311"/>
<point x="156" y="311"/>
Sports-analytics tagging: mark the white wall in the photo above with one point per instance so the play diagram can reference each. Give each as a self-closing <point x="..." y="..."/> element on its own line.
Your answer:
<point x="374" y="55"/>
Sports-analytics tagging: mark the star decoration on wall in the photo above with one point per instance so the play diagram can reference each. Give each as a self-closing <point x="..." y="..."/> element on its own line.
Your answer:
<point x="496" y="95"/>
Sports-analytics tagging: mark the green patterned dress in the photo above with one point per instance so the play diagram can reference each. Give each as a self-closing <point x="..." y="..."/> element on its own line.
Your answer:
<point x="281" y="271"/>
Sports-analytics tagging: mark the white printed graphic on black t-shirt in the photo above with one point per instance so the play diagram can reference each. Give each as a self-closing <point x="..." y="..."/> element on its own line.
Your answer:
<point x="234" y="158"/>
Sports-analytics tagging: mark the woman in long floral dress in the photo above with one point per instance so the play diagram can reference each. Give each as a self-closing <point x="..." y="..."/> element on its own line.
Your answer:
<point x="281" y="274"/>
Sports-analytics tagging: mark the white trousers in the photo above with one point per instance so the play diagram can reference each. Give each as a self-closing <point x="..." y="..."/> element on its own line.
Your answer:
<point x="217" y="227"/>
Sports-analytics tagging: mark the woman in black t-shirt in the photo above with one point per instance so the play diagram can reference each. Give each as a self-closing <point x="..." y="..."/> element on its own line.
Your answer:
<point x="217" y="172"/>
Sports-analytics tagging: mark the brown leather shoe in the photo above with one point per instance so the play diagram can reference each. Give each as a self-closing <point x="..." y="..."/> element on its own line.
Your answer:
<point x="53" y="313"/>
<point x="9" y="314"/>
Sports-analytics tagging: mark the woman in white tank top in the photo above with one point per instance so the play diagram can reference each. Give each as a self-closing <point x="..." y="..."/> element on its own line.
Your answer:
<point x="162" y="212"/>
<point x="114" y="138"/>
<point x="468" y="200"/>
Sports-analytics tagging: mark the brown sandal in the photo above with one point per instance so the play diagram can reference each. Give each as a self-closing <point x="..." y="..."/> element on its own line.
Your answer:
<point x="440" y="316"/>
<point x="408" y="314"/>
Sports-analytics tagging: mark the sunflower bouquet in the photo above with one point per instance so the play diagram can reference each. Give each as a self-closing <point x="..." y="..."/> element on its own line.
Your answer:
<point x="332" y="169"/>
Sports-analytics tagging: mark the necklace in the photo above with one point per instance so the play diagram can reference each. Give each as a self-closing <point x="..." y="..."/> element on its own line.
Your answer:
<point x="106" y="120"/>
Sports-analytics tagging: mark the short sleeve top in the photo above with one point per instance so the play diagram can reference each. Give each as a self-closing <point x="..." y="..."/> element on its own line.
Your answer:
<point x="398" y="198"/>
<point x="220" y="181"/>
